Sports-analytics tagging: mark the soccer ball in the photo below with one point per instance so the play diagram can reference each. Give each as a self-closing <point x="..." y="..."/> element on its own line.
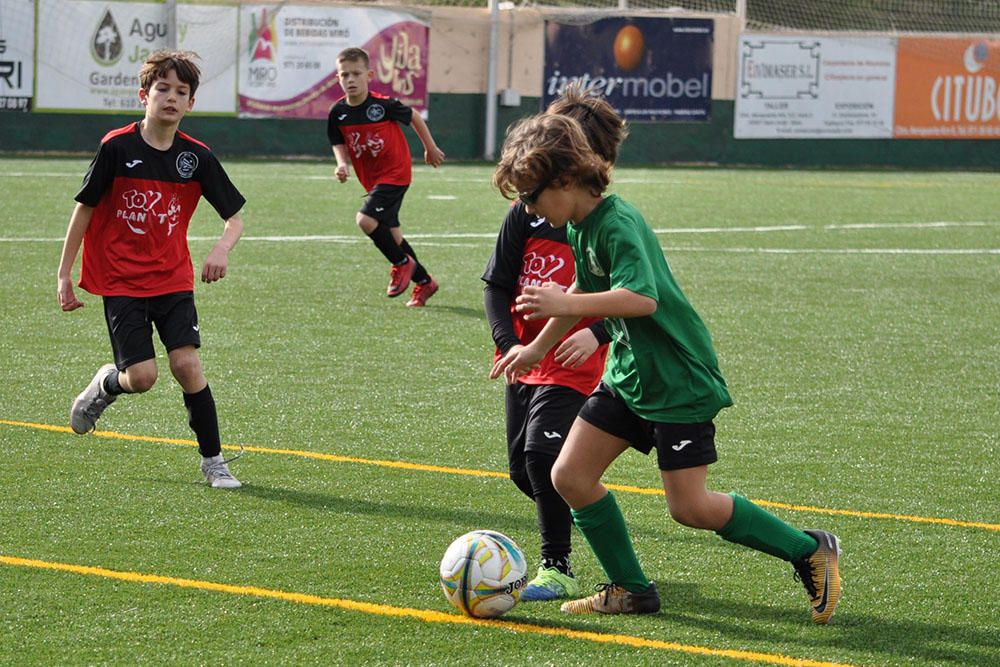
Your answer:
<point x="482" y="573"/>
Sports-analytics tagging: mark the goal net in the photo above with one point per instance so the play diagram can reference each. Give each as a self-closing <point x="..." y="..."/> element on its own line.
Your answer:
<point x="882" y="16"/>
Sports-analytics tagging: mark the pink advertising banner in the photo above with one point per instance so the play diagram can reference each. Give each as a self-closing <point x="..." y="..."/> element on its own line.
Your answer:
<point x="288" y="59"/>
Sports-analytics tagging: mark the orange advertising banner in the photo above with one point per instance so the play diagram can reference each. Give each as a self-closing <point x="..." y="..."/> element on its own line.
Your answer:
<point x="947" y="88"/>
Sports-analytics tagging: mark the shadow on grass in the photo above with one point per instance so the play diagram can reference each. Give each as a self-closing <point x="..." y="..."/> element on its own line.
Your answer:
<point x="898" y="640"/>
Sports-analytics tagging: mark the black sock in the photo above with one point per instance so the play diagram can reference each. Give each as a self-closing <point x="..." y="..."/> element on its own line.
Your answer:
<point x="521" y="481"/>
<point x="111" y="384"/>
<point x="204" y="421"/>
<point x="554" y="519"/>
<point x="381" y="236"/>
<point x="420" y="275"/>
<point x="561" y="564"/>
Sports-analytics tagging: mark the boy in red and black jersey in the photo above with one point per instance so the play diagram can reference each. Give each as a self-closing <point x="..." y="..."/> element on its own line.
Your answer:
<point x="132" y="217"/>
<point x="542" y="404"/>
<point x="364" y="131"/>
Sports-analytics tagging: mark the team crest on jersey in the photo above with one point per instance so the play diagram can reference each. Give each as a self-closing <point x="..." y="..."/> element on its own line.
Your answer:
<point x="375" y="113"/>
<point x="187" y="162"/>
<point x="593" y="264"/>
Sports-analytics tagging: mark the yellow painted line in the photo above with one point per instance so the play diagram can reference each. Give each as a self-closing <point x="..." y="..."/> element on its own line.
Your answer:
<point x="403" y="465"/>
<point x="425" y="615"/>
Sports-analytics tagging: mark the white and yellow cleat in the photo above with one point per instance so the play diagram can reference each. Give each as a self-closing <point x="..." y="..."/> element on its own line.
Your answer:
<point x="614" y="599"/>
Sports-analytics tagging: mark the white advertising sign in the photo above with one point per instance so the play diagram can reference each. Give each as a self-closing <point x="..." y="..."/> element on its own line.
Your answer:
<point x="288" y="56"/>
<point x="17" y="48"/>
<point x="806" y="87"/>
<point x="89" y="53"/>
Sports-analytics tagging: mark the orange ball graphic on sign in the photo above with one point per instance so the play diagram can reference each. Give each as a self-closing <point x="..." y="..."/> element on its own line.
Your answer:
<point x="629" y="48"/>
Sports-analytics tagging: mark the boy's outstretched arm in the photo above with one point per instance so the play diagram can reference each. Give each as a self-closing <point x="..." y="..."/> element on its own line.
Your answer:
<point x="343" y="161"/>
<point x="78" y="224"/>
<point x="218" y="257"/>
<point x="433" y="155"/>
<point x="550" y="301"/>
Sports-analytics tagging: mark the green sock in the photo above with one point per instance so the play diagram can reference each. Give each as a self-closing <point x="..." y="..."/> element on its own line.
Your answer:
<point x="604" y="527"/>
<point x="758" y="529"/>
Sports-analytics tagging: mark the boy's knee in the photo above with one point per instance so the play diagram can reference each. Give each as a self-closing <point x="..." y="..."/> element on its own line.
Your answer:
<point x="186" y="367"/>
<point x="139" y="379"/>
<point x="562" y="480"/>
<point x="367" y="223"/>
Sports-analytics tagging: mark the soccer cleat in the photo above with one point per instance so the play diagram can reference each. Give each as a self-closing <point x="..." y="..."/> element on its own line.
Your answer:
<point x="613" y="599"/>
<point x="550" y="584"/>
<point x="820" y="574"/>
<point x="91" y="402"/>
<point x="399" y="277"/>
<point x="217" y="473"/>
<point x="421" y="293"/>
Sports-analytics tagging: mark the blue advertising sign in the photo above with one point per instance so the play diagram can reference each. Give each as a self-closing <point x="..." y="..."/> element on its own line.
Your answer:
<point x="649" y="69"/>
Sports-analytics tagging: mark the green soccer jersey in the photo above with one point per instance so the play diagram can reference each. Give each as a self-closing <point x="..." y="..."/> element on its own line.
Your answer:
<point x="663" y="365"/>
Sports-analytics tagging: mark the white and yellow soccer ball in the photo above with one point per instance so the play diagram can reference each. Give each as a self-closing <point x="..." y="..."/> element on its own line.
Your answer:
<point x="483" y="573"/>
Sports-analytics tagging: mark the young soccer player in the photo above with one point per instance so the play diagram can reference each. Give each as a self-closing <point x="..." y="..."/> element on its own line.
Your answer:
<point x="542" y="404"/>
<point x="661" y="388"/>
<point x="364" y="131"/>
<point x="132" y="216"/>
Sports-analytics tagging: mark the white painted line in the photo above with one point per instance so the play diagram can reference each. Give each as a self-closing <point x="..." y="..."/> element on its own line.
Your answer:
<point x="840" y="251"/>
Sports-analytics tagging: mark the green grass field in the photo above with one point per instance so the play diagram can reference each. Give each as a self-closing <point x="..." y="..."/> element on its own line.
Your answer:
<point x="856" y="317"/>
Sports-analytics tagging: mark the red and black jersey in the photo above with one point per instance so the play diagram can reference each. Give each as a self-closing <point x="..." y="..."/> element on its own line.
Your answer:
<point x="143" y="200"/>
<point x="374" y="139"/>
<point x="529" y="251"/>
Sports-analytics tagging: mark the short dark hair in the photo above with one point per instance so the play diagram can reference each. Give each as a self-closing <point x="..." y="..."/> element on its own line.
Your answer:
<point x="159" y="63"/>
<point x="604" y="128"/>
<point x="353" y="53"/>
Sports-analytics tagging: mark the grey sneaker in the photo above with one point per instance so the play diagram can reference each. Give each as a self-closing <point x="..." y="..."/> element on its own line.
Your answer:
<point x="613" y="599"/>
<point x="216" y="472"/>
<point x="91" y="402"/>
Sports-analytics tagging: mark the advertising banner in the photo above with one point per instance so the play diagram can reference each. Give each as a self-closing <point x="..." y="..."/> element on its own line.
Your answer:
<point x="649" y="69"/>
<point x="17" y="48"/>
<point x="948" y="88"/>
<point x="288" y="58"/>
<point x="89" y="53"/>
<point x="814" y="87"/>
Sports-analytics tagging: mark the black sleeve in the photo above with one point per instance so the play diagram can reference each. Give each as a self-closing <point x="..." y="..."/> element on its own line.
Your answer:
<point x="100" y="175"/>
<point x="600" y="332"/>
<point x="504" y="266"/>
<point x="218" y="189"/>
<point x="501" y="276"/>
<point x="497" y="302"/>
<point x="333" y="132"/>
<point x="399" y="112"/>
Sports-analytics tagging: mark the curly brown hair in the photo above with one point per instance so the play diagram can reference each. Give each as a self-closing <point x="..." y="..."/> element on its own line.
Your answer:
<point x="159" y="63"/>
<point x="549" y="148"/>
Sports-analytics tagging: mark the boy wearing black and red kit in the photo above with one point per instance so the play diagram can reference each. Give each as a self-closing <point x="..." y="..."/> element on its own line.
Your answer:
<point x="542" y="404"/>
<point x="132" y="217"/>
<point x="364" y="131"/>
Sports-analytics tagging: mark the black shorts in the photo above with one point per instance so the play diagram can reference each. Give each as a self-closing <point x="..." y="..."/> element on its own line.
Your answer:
<point x="538" y="419"/>
<point x="383" y="203"/>
<point x="677" y="445"/>
<point x="131" y="319"/>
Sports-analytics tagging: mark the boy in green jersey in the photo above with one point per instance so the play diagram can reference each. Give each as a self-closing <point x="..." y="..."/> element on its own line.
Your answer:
<point x="661" y="387"/>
